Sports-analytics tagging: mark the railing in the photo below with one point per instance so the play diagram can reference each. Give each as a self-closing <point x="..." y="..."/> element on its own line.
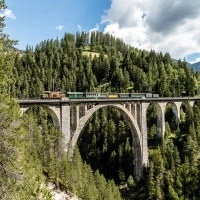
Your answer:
<point x="151" y="99"/>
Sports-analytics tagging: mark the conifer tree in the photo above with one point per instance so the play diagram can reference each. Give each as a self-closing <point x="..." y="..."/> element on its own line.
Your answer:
<point x="151" y="186"/>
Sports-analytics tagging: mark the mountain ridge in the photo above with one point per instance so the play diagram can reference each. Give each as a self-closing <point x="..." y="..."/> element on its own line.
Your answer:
<point x="195" y="66"/>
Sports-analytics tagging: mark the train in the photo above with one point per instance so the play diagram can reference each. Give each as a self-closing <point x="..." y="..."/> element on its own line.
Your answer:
<point x="52" y="95"/>
<point x="95" y="95"/>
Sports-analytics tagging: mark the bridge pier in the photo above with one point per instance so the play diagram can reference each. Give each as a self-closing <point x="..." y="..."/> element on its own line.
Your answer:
<point x="161" y="120"/>
<point x="143" y="128"/>
<point x="65" y="125"/>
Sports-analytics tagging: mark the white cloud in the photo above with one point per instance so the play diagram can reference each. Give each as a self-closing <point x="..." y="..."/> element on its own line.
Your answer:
<point x="195" y="61"/>
<point x="165" y="26"/>
<point x="79" y="28"/>
<point x="8" y="13"/>
<point x="95" y="29"/>
<point x="60" y="27"/>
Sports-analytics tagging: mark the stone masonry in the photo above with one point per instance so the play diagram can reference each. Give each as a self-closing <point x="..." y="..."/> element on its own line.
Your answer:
<point x="71" y="117"/>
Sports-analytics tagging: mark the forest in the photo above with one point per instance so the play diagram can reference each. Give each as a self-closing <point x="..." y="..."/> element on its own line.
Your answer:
<point x="102" y="168"/>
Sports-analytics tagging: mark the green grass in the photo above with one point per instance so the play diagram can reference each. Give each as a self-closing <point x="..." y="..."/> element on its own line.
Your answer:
<point x="101" y="86"/>
<point x="172" y="135"/>
<point x="87" y="53"/>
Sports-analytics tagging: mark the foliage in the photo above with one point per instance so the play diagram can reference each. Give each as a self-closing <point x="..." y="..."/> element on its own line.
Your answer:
<point x="62" y="64"/>
<point x="30" y="146"/>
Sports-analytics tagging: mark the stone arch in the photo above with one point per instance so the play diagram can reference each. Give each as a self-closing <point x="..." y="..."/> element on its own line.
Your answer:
<point x="184" y="105"/>
<point x="172" y="116"/>
<point x="136" y="134"/>
<point x="175" y="106"/>
<point x="176" y="109"/>
<point x="160" y="107"/>
<point x="196" y="103"/>
<point x="54" y="114"/>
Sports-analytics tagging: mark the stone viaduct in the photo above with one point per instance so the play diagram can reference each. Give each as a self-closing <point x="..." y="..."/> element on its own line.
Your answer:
<point x="71" y="116"/>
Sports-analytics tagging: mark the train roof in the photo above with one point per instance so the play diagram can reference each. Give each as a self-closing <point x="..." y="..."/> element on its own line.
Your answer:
<point x="95" y="92"/>
<point x="74" y="92"/>
<point x="48" y="91"/>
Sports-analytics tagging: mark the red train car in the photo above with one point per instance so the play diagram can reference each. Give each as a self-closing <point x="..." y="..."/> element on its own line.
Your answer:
<point x="52" y="95"/>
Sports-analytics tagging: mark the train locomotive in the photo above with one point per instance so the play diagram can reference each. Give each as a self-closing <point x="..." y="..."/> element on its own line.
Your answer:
<point x="52" y="95"/>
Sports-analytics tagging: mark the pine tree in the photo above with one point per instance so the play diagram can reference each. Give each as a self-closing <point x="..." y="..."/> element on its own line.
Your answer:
<point x="151" y="185"/>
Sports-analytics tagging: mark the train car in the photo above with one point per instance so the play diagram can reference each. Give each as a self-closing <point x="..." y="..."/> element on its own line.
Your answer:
<point x="155" y="95"/>
<point x="95" y="95"/>
<point x="149" y="95"/>
<point x="124" y="95"/>
<point x="75" y="95"/>
<point x="137" y="95"/>
<point x="52" y="95"/>
<point x="112" y="96"/>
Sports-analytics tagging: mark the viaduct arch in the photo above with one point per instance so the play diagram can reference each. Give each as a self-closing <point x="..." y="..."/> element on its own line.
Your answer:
<point x="136" y="134"/>
<point x="161" y="108"/>
<point x="55" y="114"/>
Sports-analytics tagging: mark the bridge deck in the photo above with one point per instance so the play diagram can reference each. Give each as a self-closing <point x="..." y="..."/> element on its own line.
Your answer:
<point x="57" y="101"/>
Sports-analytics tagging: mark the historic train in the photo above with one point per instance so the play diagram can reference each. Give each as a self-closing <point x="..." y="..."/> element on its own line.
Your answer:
<point x="95" y="95"/>
<point x="52" y="95"/>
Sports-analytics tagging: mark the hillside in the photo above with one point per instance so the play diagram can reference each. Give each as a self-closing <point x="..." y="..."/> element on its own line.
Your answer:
<point x="195" y="66"/>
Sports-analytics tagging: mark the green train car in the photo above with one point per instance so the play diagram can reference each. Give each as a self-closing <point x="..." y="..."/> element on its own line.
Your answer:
<point x="123" y="95"/>
<point x="75" y="95"/>
<point x="95" y="95"/>
<point x="131" y="95"/>
<point x="138" y="95"/>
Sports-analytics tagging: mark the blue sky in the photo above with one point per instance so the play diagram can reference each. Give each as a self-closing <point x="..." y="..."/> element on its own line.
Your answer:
<point x="36" y="20"/>
<point x="165" y="26"/>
